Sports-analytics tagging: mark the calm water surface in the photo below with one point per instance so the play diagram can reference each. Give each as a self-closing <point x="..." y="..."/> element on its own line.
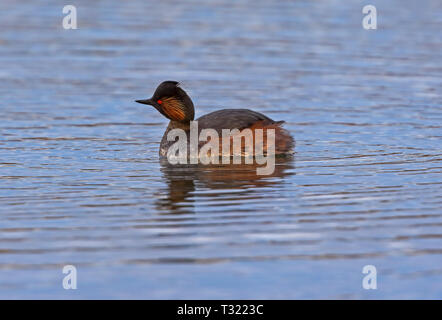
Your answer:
<point x="81" y="182"/>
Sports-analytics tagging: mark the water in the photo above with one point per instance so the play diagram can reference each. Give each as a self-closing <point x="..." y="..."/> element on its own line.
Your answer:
<point x="81" y="183"/>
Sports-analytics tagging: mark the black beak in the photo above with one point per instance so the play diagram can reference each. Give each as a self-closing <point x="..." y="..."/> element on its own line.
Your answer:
<point x="147" y="101"/>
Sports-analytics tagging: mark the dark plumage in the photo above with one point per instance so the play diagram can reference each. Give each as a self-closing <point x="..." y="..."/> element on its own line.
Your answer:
<point x="231" y="119"/>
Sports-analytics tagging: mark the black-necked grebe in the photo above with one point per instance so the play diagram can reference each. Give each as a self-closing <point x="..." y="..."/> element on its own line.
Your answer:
<point x="174" y="103"/>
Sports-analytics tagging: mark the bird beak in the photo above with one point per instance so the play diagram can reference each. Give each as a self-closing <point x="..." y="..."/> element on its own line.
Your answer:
<point x="147" y="101"/>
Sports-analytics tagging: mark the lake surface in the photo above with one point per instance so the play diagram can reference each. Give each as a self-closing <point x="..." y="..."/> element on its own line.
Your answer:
<point x="81" y="183"/>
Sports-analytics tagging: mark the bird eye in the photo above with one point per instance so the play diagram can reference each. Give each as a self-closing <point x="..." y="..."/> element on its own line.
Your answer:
<point x="160" y="102"/>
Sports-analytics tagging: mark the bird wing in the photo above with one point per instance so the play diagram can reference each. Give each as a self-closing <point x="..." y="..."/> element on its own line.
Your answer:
<point x="232" y="119"/>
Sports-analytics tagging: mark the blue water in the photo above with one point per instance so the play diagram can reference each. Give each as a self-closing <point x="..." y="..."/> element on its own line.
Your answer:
<point x="81" y="183"/>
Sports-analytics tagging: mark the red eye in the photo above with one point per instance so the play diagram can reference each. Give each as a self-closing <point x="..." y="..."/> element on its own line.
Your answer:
<point x="160" y="102"/>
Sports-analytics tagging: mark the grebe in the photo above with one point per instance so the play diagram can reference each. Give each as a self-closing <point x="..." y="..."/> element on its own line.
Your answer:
<point x="174" y="103"/>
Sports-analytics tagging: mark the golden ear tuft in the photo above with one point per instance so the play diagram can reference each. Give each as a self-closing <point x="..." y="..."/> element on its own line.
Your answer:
<point x="174" y="109"/>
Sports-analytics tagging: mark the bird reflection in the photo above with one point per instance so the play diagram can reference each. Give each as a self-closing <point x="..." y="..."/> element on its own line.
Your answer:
<point x="184" y="181"/>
